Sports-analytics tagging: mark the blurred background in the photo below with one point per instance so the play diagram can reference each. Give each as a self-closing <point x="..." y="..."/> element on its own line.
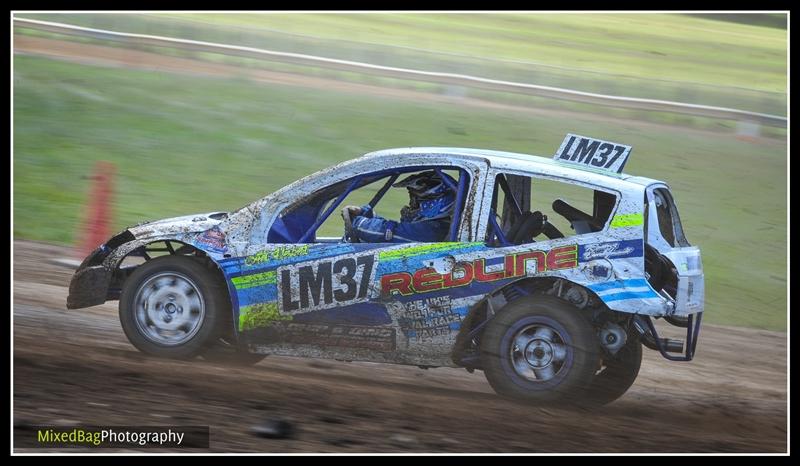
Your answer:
<point x="195" y="131"/>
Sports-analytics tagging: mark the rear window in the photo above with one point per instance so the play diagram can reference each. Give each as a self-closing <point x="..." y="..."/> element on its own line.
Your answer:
<point x="669" y="223"/>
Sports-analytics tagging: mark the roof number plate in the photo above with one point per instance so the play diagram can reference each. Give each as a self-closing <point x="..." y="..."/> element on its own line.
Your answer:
<point x="593" y="153"/>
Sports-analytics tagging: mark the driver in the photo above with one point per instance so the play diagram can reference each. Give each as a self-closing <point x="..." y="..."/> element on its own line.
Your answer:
<point x="426" y="218"/>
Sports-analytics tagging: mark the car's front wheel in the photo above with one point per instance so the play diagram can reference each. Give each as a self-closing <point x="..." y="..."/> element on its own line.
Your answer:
<point x="171" y="307"/>
<point x="540" y="349"/>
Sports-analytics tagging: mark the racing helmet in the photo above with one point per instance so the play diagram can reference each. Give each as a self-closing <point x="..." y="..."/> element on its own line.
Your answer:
<point x="430" y="197"/>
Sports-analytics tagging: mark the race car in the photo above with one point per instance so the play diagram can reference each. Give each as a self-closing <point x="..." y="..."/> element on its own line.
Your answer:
<point x="548" y="274"/>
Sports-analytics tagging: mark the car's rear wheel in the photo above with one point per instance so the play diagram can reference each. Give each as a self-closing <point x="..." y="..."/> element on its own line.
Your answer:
<point x="171" y="307"/>
<point x="539" y="349"/>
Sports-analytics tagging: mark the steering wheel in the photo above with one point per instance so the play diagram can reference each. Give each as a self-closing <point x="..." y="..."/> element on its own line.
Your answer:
<point x="349" y="233"/>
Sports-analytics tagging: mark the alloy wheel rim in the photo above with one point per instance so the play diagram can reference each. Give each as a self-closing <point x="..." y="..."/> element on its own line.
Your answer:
<point x="169" y="308"/>
<point x="538" y="353"/>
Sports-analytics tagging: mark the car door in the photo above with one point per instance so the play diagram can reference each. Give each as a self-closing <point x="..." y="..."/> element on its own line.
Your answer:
<point x="325" y="298"/>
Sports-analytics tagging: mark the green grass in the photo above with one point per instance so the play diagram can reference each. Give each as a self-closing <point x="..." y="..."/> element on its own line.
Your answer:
<point x="658" y="46"/>
<point x="671" y="57"/>
<point x="189" y="144"/>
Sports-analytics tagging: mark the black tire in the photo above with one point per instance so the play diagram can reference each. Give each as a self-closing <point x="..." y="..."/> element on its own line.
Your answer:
<point x="226" y="353"/>
<point x="572" y="336"/>
<point x="617" y="376"/>
<point x="157" y="279"/>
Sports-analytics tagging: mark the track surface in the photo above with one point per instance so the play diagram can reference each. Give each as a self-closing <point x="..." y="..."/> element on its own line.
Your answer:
<point x="76" y="367"/>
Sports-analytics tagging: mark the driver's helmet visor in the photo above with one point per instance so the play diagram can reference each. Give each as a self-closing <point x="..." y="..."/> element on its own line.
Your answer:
<point x="432" y="209"/>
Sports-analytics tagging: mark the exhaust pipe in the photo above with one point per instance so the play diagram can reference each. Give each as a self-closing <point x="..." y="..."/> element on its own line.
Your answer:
<point x="669" y="345"/>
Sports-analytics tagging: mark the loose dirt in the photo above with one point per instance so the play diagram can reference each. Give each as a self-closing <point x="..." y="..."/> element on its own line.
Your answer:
<point x="77" y="368"/>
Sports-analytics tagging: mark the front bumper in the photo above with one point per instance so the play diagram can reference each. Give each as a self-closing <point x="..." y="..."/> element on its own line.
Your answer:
<point x="89" y="287"/>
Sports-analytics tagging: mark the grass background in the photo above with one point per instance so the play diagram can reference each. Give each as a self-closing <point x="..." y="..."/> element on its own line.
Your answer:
<point x="689" y="48"/>
<point x="687" y="58"/>
<point x="187" y="144"/>
<point x="657" y="46"/>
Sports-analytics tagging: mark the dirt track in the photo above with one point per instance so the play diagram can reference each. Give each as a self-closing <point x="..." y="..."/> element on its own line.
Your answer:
<point x="76" y="367"/>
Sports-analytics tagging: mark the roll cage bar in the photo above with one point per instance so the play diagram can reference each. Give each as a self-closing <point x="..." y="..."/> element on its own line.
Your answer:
<point x="496" y="230"/>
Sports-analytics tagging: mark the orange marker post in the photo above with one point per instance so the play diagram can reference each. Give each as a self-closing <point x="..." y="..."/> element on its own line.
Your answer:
<point x="97" y="224"/>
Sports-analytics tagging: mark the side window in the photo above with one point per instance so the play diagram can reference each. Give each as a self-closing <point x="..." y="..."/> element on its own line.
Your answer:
<point x="317" y="217"/>
<point x="545" y="209"/>
<point x="332" y="226"/>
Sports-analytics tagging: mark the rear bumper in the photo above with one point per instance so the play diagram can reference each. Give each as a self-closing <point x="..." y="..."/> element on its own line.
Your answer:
<point x="650" y="338"/>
